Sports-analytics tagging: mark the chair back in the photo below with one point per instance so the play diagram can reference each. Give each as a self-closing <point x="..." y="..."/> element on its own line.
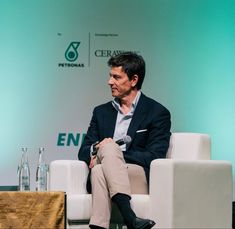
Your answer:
<point x="189" y="146"/>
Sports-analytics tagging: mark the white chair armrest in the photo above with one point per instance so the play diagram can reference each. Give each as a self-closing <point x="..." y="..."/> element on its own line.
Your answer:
<point x="69" y="176"/>
<point x="191" y="194"/>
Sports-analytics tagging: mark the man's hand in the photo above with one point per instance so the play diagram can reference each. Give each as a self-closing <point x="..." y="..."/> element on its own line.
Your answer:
<point x="93" y="161"/>
<point x="103" y="142"/>
<point x="94" y="158"/>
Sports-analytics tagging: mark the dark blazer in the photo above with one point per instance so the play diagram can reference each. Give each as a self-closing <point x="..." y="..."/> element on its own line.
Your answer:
<point x="149" y="130"/>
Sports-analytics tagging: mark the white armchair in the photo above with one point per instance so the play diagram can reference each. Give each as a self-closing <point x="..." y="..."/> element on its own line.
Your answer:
<point x="186" y="190"/>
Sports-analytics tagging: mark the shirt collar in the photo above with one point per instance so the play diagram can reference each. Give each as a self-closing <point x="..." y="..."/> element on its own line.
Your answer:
<point x="116" y="103"/>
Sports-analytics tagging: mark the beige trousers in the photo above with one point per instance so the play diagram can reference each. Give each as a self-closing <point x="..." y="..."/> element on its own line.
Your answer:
<point x="110" y="177"/>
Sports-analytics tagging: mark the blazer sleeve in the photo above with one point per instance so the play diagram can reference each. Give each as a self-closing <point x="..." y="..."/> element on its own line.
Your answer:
<point x="91" y="137"/>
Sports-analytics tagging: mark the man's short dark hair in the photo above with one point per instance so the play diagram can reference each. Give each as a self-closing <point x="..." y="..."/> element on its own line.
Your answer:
<point x="131" y="63"/>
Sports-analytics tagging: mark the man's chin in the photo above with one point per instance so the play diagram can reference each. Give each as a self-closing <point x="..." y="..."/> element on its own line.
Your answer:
<point x="114" y="94"/>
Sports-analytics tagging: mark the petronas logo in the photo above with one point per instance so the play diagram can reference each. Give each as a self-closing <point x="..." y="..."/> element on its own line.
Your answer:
<point x="71" y="53"/>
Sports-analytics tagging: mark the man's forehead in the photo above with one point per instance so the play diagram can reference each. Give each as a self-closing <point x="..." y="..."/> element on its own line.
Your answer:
<point x="117" y="70"/>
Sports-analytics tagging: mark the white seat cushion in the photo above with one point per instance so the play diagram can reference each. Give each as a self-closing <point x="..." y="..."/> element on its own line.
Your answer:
<point x="79" y="207"/>
<point x="141" y="205"/>
<point x="189" y="146"/>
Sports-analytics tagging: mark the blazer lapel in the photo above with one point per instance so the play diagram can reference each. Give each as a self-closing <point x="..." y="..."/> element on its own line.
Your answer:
<point x="110" y="121"/>
<point x="138" y="116"/>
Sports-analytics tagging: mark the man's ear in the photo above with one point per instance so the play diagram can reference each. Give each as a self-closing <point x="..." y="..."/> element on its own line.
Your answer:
<point x="134" y="80"/>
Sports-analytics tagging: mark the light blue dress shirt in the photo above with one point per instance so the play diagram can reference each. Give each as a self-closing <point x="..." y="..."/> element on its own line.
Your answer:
<point x="123" y="120"/>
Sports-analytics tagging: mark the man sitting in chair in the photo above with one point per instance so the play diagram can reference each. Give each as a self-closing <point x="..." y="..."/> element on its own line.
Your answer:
<point x="124" y="136"/>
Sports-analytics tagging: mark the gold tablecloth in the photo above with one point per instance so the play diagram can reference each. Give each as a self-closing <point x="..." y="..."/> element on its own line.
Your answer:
<point x="21" y="210"/>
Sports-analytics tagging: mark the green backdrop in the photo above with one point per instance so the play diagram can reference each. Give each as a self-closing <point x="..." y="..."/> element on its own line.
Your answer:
<point x="188" y="45"/>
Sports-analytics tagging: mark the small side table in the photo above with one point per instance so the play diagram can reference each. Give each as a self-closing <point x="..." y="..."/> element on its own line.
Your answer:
<point x="32" y="210"/>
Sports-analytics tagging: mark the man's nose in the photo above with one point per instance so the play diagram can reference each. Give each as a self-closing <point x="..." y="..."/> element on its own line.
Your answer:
<point x="110" y="81"/>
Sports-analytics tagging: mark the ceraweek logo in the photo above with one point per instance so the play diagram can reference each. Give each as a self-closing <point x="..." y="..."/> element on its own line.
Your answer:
<point x="71" y="55"/>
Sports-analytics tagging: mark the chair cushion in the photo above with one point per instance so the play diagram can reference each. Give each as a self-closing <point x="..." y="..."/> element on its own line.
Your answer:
<point x="140" y="203"/>
<point x="79" y="206"/>
<point x="189" y="146"/>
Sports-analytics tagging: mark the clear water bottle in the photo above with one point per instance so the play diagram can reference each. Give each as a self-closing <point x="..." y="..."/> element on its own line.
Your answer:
<point x="24" y="171"/>
<point x="42" y="172"/>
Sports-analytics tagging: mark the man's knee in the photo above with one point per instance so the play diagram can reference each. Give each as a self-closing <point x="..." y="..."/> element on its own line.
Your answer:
<point x="111" y="149"/>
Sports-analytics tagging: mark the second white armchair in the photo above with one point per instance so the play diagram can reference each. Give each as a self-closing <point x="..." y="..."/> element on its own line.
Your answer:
<point x="186" y="190"/>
